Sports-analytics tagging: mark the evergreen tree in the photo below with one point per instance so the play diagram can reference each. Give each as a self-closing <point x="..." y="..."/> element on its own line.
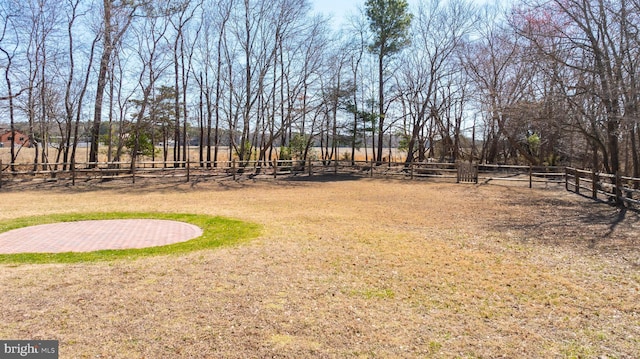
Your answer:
<point x="389" y="21"/>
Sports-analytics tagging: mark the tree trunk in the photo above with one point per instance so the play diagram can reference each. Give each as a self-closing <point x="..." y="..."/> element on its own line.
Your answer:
<point x="381" y="113"/>
<point x="101" y="82"/>
<point x="11" y="108"/>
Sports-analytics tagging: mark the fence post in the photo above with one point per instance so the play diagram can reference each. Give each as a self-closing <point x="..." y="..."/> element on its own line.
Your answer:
<point x="618" y="188"/>
<point x="275" y="168"/>
<point x="188" y="167"/>
<point x="458" y="169"/>
<point x="530" y="176"/>
<point x="411" y="169"/>
<point x="309" y="166"/>
<point x="133" y="169"/>
<point x="73" y="172"/>
<point x="335" y="166"/>
<point x="475" y="173"/>
<point x="594" y="184"/>
<point x="233" y="168"/>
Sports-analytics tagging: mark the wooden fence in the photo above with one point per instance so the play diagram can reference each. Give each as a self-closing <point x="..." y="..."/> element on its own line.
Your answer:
<point x="104" y="171"/>
<point x="599" y="186"/>
<point x="603" y="186"/>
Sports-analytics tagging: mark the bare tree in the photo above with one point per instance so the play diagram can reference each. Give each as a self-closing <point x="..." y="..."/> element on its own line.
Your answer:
<point x="498" y="64"/>
<point x="355" y="45"/>
<point x="429" y="78"/>
<point x="75" y="89"/>
<point x="37" y="21"/>
<point x="596" y="42"/>
<point x="117" y="17"/>
<point x="181" y="13"/>
<point x="8" y="48"/>
<point x="211" y="85"/>
<point x="150" y="37"/>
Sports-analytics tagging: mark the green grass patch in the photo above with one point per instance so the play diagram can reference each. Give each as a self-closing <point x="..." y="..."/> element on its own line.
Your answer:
<point x="217" y="232"/>
<point x="375" y="293"/>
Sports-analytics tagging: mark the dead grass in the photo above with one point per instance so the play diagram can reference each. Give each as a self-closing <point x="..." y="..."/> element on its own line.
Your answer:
<point x="344" y="268"/>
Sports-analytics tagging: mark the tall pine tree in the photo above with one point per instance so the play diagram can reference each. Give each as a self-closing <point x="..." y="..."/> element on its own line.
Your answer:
<point x="389" y="21"/>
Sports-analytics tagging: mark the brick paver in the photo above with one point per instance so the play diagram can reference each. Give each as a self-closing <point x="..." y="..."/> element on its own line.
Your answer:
<point x="88" y="236"/>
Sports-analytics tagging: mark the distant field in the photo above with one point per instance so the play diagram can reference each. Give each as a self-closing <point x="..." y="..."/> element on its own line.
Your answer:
<point x="343" y="269"/>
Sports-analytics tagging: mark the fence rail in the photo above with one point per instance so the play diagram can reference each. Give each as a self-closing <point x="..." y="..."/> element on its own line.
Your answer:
<point x="530" y="174"/>
<point x="599" y="186"/>
<point x="235" y="169"/>
<point x="603" y="186"/>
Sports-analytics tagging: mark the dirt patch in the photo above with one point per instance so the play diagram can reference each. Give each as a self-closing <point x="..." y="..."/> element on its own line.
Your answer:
<point x="346" y="268"/>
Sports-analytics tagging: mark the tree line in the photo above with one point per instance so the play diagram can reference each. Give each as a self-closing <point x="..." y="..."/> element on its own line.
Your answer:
<point x="539" y="82"/>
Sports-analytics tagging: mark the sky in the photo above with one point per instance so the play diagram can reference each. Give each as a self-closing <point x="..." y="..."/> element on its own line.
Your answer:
<point x="337" y="9"/>
<point x="340" y="9"/>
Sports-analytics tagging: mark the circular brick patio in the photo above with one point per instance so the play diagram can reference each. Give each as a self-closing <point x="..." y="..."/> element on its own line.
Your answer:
<point x="88" y="236"/>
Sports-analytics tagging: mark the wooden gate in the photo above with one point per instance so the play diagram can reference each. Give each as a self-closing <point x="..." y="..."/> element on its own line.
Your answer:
<point x="467" y="173"/>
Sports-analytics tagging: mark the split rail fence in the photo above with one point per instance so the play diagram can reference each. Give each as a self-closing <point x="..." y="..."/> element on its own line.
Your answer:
<point x="599" y="186"/>
<point x="106" y="171"/>
<point x="603" y="186"/>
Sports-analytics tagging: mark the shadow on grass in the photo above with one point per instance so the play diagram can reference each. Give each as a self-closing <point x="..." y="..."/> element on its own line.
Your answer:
<point x="324" y="178"/>
<point x="145" y="185"/>
<point x="580" y="222"/>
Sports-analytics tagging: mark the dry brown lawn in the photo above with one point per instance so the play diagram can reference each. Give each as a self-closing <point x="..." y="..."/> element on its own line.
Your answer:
<point x="344" y="268"/>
